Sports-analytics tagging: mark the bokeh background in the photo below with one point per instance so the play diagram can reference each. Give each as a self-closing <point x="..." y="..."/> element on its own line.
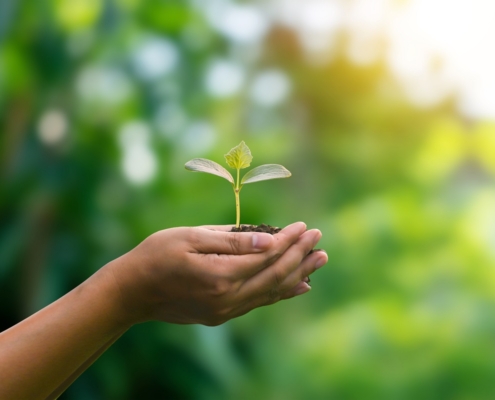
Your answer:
<point x="384" y="111"/>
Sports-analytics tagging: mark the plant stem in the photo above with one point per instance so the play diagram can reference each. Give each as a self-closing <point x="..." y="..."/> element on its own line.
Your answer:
<point x="237" y="202"/>
<point x="237" y="209"/>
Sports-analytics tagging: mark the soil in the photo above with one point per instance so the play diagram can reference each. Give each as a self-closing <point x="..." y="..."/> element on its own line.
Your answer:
<point x="257" y="228"/>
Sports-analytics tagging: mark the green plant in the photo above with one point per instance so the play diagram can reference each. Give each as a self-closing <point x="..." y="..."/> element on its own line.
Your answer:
<point x="238" y="158"/>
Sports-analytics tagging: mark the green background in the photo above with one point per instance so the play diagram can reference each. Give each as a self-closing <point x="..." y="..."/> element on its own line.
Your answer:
<point x="404" y="197"/>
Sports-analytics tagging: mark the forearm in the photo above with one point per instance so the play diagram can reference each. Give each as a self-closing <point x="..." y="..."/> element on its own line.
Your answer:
<point x="47" y="351"/>
<point x="63" y="387"/>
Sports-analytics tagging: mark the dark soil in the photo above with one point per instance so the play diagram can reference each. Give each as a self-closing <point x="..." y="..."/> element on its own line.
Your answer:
<point x="257" y="228"/>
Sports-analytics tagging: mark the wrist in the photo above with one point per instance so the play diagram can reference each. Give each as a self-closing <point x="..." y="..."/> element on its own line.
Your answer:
<point x="124" y="277"/>
<point x="115" y="296"/>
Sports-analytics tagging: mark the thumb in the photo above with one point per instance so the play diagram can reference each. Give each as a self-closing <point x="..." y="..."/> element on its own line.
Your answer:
<point x="236" y="243"/>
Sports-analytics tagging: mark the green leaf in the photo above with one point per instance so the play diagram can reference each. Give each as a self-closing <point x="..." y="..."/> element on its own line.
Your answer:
<point x="210" y="167"/>
<point x="265" y="172"/>
<point x="239" y="157"/>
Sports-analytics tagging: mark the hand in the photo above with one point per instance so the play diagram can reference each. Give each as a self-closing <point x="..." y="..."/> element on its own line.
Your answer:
<point x="207" y="275"/>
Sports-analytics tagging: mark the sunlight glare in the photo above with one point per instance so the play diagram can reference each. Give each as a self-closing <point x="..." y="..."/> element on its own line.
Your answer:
<point x="446" y="46"/>
<point x="434" y="48"/>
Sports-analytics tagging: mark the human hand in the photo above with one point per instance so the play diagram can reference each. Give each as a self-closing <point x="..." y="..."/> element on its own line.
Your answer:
<point x="207" y="275"/>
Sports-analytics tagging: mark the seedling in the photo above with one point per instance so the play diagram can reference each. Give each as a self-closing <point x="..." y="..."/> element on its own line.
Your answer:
<point x="238" y="158"/>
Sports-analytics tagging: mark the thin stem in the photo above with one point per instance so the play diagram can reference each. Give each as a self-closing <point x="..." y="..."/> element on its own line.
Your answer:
<point x="237" y="209"/>
<point x="237" y="202"/>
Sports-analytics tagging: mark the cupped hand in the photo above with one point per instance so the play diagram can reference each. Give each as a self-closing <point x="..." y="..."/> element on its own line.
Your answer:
<point x="208" y="275"/>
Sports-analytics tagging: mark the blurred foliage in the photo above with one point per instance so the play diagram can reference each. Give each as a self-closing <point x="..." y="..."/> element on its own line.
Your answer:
<point x="95" y="130"/>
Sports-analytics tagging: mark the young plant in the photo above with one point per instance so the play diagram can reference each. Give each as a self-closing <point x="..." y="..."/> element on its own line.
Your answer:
<point x="238" y="158"/>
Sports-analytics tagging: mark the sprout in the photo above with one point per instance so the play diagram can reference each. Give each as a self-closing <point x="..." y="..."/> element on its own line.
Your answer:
<point x="238" y="158"/>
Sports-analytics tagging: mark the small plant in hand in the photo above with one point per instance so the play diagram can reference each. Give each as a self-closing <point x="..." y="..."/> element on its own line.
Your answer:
<point x="240" y="158"/>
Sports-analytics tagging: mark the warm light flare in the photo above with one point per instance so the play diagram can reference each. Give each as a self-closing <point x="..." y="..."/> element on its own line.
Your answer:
<point x="435" y="48"/>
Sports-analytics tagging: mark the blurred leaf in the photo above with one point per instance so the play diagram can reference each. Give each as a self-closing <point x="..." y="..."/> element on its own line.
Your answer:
<point x="483" y="145"/>
<point x="16" y="72"/>
<point x="165" y="15"/>
<point x="77" y="14"/>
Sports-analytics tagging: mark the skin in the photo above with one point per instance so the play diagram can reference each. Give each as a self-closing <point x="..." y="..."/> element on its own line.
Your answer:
<point x="202" y="275"/>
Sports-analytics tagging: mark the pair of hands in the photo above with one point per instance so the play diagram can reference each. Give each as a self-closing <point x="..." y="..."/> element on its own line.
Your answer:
<point x="208" y="275"/>
<point x="203" y="275"/>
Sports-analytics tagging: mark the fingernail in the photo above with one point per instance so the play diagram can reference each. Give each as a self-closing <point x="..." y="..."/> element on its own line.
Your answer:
<point x="262" y="240"/>
<point x="299" y="226"/>
<point x="303" y="289"/>
<point x="320" y="262"/>
<point x="316" y="237"/>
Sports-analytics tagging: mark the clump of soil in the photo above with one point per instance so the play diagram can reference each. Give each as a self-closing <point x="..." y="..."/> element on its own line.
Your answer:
<point x="257" y="228"/>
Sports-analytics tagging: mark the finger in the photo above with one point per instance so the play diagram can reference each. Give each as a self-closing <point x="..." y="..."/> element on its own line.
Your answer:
<point x="233" y="243"/>
<point x="247" y="266"/>
<point x="270" y="282"/>
<point x="299" y="289"/>
<point x="308" y="265"/>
